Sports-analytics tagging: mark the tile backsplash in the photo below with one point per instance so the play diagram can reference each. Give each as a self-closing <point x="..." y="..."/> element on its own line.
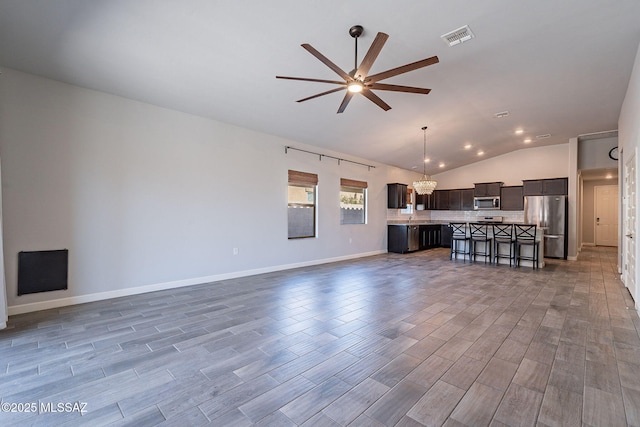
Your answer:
<point x="396" y="214"/>
<point x="462" y="216"/>
<point x="470" y="216"/>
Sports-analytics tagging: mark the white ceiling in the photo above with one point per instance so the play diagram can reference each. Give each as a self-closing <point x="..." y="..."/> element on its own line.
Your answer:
<point x="558" y="67"/>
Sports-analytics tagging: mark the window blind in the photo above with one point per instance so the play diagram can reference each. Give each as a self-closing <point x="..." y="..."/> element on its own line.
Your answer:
<point x="302" y="178"/>
<point x="352" y="183"/>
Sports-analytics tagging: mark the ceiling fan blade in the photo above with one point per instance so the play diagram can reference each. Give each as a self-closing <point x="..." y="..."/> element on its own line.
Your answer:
<point x="401" y="70"/>
<point x="326" y="61"/>
<point x="345" y="101"/>
<point x="376" y="100"/>
<point x="372" y="54"/>
<point x="397" y="88"/>
<point x="304" y="79"/>
<point x="320" y="94"/>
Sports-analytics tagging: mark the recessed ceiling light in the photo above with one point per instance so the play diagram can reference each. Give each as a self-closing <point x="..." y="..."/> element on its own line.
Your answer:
<point x="519" y="131"/>
<point x="468" y="146"/>
<point x="427" y="160"/>
<point x="528" y="140"/>
<point x="441" y="165"/>
<point x="480" y="153"/>
<point x="501" y="114"/>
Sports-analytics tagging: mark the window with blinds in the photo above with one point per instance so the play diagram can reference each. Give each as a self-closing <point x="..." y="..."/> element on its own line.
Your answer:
<point x="301" y="208"/>
<point x="353" y="201"/>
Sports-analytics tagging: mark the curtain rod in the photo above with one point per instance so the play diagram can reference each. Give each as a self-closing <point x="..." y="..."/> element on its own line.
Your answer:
<point x="320" y="156"/>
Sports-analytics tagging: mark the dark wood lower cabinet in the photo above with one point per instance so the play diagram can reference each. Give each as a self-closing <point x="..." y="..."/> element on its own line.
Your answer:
<point x="402" y="238"/>
<point x="445" y="235"/>
<point x="430" y="236"/>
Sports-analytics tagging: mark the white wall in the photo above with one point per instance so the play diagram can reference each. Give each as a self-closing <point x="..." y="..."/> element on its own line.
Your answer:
<point x="4" y="314"/>
<point x="146" y="198"/>
<point x="594" y="153"/>
<point x="628" y="143"/>
<point x="511" y="168"/>
<point x="629" y="121"/>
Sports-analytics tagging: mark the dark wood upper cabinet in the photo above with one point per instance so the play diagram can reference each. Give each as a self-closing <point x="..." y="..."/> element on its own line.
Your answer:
<point x="487" y="189"/>
<point x="546" y="187"/>
<point x="455" y="200"/>
<point x="396" y="196"/>
<point x="430" y="201"/>
<point x="555" y="187"/>
<point x="512" y="198"/>
<point x="532" y="187"/>
<point x="441" y="199"/>
<point x="423" y="199"/>
<point x="467" y="199"/>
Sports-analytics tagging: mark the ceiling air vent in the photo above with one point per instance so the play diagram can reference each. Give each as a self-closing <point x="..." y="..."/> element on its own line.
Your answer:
<point x="458" y="36"/>
<point x="501" y="115"/>
<point x="546" y="135"/>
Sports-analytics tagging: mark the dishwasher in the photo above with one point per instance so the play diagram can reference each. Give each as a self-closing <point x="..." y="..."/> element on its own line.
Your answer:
<point x="413" y="237"/>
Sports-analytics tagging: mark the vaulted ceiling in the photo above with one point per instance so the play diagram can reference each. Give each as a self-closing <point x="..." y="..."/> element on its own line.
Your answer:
<point x="560" y="68"/>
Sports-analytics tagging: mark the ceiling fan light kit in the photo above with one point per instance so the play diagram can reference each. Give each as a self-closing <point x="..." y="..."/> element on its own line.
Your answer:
<point x="426" y="184"/>
<point x="355" y="87"/>
<point x="359" y="80"/>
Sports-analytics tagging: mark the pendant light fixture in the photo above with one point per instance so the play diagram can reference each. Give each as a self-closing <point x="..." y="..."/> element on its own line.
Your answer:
<point x="426" y="185"/>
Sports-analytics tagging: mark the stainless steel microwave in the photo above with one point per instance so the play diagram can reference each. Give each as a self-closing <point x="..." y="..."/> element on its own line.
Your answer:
<point x="483" y="203"/>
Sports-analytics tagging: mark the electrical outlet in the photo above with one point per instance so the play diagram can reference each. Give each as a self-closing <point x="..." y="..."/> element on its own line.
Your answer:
<point x="236" y="251"/>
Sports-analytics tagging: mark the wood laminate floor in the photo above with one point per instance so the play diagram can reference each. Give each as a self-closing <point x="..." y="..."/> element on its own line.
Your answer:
<point x="405" y="340"/>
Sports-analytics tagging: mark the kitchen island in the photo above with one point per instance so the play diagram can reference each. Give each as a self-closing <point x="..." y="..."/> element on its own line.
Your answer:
<point x="405" y="236"/>
<point x="526" y="251"/>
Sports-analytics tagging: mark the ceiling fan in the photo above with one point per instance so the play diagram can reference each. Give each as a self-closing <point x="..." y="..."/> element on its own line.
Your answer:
<point x="357" y="81"/>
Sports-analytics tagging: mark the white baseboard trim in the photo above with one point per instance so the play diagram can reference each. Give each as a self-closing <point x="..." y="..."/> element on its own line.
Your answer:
<point x="588" y="244"/>
<point x="81" y="299"/>
<point x="572" y="258"/>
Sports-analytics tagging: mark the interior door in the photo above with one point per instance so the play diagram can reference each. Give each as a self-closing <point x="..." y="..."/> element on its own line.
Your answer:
<point x="606" y="213"/>
<point x="629" y="226"/>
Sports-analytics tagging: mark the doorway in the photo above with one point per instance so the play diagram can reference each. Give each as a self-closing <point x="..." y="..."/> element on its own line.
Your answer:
<point x="606" y="215"/>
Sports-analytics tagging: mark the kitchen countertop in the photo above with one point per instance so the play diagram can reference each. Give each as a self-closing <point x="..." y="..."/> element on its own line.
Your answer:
<point x="415" y="222"/>
<point x="440" y="222"/>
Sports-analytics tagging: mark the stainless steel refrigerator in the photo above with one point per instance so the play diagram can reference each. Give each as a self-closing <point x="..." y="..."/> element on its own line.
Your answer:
<point x="550" y="214"/>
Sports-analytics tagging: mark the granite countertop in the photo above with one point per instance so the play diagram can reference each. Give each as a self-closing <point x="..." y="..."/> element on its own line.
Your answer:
<point x="415" y="222"/>
<point x="439" y="222"/>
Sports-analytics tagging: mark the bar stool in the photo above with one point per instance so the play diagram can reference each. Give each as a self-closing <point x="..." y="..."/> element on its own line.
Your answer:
<point x="459" y="234"/>
<point x="503" y="235"/>
<point x="526" y="236"/>
<point x="480" y="234"/>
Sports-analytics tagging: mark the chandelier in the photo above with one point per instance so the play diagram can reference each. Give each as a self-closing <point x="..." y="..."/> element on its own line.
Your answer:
<point x="425" y="185"/>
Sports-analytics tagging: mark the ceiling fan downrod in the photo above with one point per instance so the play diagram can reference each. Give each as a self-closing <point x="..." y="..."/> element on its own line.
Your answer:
<point x="355" y="32"/>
